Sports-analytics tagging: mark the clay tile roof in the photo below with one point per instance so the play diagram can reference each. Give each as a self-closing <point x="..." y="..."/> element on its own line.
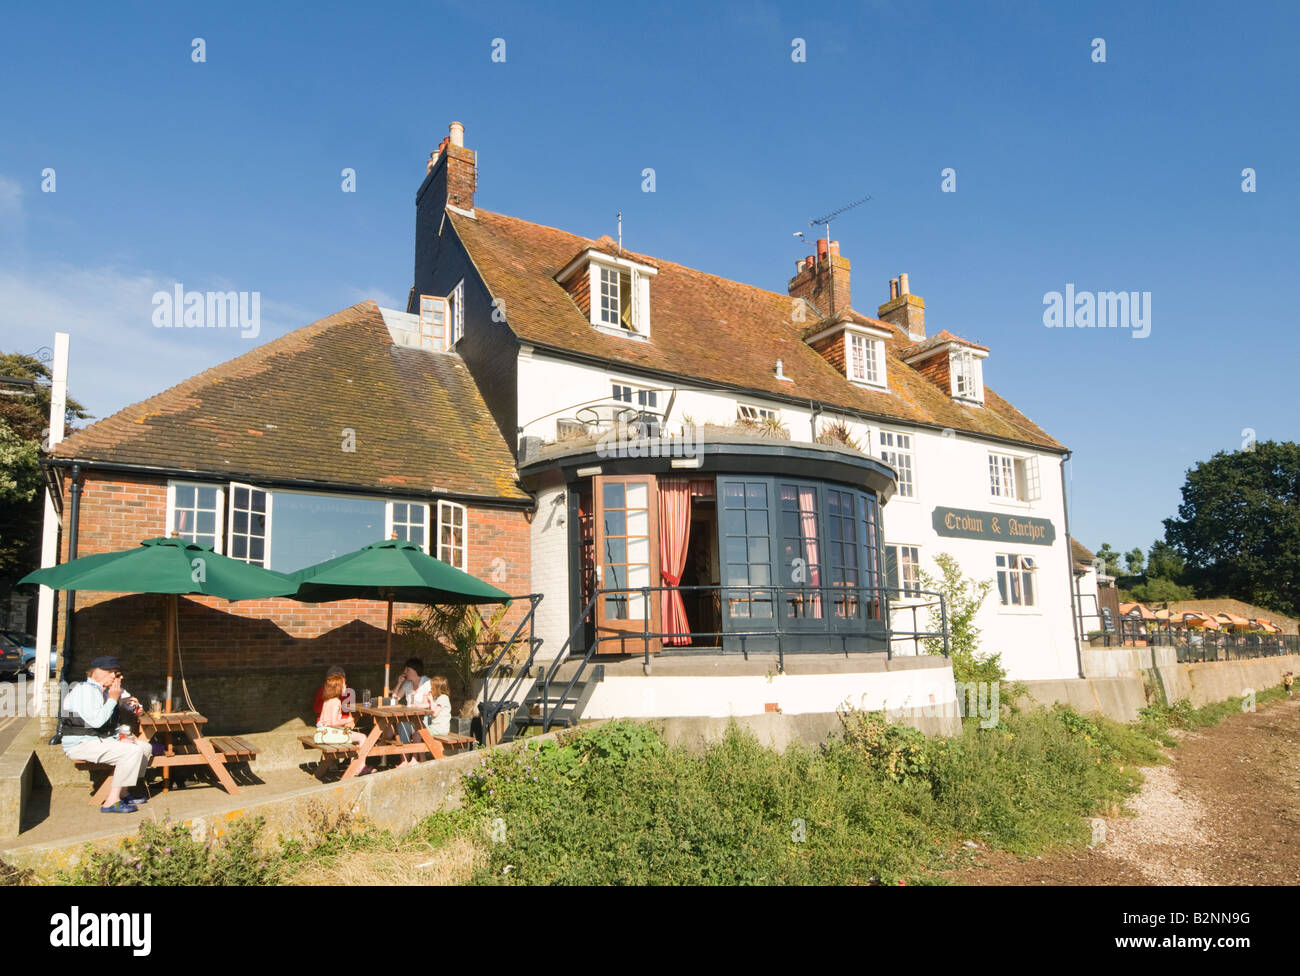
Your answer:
<point x="941" y="338"/>
<point x="698" y="322"/>
<point x="1082" y="556"/>
<point x="278" y="412"/>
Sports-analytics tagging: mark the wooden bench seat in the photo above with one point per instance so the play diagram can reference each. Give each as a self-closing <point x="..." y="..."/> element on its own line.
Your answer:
<point x="234" y="748"/>
<point x="453" y="741"/>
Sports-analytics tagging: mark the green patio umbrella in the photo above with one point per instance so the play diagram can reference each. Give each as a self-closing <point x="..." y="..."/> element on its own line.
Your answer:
<point x="172" y="567"/>
<point x="394" y="571"/>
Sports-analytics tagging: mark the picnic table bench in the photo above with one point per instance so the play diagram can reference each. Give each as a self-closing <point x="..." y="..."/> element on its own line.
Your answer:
<point x="383" y="740"/>
<point x="215" y="753"/>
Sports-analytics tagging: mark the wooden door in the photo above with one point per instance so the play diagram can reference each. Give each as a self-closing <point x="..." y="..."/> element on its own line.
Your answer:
<point x="627" y="557"/>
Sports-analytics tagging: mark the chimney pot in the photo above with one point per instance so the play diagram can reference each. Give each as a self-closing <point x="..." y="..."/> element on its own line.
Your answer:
<point x="821" y="249"/>
<point x="457" y="134"/>
<point x="835" y="249"/>
<point x="893" y="288"/>
<point x="902" y="285"/>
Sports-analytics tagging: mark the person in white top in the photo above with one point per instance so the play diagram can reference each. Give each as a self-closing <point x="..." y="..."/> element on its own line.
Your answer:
<point x="415" y="689"/>
<point x="440" y="723"/>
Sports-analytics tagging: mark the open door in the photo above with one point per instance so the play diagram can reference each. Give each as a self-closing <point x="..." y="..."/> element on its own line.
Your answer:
<point x="627" y="557"/>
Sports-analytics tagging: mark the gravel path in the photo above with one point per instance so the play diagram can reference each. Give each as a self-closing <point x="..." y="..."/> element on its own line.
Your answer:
<point x="1225" y="811"/>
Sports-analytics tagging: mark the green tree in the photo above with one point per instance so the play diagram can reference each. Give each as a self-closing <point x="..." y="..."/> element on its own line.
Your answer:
<point x="1111" y="559"/>
<point x="1157" y="589"/>
<point x="1164" y="562"/>
<point x="1238" y="526"/>
<point x="1134" y="561"/>
<point x="963" y="598"/>
<point x="24" y="423"/>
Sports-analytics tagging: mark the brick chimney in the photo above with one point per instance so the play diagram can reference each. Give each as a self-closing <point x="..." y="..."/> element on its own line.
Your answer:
<point x="905" y="310"/>
<point x="452" y="171"/>
<point x="822" y="279"/>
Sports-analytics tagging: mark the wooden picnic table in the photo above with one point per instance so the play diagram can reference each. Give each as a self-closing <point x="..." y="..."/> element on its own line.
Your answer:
<point x="213" y="753"/>
<point x="386" y="720"/>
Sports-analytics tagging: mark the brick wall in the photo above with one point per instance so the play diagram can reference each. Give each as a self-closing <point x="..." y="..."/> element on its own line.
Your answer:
<point x="831" y="348"/>
<point x="254" y="665"/>
<point x="935" y="369"/>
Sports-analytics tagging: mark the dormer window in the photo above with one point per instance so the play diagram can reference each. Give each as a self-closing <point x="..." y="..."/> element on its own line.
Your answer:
<point x="624" y="299"/>
<point x="866" y="359"/>
<point x="442" y="320"/>
<point x="433" y="322"/>
<point x="611" y="290"/>
<point x="966" y="370"/>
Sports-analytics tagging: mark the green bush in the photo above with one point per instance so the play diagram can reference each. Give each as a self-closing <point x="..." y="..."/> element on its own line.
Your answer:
<point x="167" y="854"/>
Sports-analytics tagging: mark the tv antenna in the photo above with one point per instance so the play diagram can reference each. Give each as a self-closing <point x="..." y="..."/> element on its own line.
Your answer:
<point x="826" y="221"/>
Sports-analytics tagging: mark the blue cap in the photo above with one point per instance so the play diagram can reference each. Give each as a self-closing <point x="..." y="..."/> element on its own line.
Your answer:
<point x="106" y="663"/>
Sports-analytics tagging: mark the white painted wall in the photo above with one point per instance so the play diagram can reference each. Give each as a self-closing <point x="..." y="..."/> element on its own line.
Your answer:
<point x="797" y="694"/>
<point x="550" y="570"/>
<point x="949" y="471"/>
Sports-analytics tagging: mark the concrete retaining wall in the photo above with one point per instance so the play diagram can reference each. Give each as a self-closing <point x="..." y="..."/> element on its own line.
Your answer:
<point x="1117" y="698"/>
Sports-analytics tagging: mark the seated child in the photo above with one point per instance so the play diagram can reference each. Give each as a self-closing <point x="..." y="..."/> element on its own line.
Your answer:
<point x="332" y="714"/>
<point x="440" y="724"/>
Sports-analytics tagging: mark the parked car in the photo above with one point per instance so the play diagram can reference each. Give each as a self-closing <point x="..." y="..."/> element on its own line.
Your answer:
<point x="11" y="658"/>
<point x="28" y="645"/>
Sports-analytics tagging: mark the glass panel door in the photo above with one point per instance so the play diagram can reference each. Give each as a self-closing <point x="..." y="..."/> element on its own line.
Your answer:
<point x="745" y="537"/>
<point x="799" y="533"/>
<point x="627" y="558"/>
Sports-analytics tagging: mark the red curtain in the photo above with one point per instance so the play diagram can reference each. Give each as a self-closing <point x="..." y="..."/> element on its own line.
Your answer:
<point x="808" y="523"/>
<point x="674" y="532"/>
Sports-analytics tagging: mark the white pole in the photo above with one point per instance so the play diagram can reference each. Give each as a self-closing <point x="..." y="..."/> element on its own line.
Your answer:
<point x="50" y="535"/>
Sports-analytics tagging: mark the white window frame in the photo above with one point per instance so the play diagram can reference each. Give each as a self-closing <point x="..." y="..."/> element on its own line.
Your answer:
<point x="872" y="352"/>
<point x="219" y="546"/>
<point x="756" y="414"/>
<point x="230" y="523"/>
<point x="631" y="282"/>
<point x="456" y="301"/>
<point x="390" y="522"/>
<point x="892" y="453"/>
<point x="600" y="299"/>
<point x="637" y="396"/>
<point x="453" y="507"/>
<point x="1030" y="485"/>
<point x="967" y="374"/>
<point x="906" y="590"/>
<point x="1002" y="476"/>
<point x="1016" y="564"/>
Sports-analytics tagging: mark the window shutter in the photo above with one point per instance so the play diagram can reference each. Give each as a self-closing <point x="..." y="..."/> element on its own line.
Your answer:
<point x="891" y="570"/>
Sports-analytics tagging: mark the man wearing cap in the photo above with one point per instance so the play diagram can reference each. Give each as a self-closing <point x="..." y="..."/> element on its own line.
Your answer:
<point x="90" y="720"/>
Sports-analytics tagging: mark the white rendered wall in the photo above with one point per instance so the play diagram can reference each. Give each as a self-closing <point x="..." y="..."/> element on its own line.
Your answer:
<point x="550" y="569"/>
<point x="950" y="471"/>
<point x="663" y="697"/>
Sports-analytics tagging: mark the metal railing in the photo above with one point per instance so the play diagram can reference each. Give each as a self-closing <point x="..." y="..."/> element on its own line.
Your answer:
<point x="828" y="615"/>
<point x="1195" y="644"/>
<point x="498" y="662"/>
<point x="832" y="619"/>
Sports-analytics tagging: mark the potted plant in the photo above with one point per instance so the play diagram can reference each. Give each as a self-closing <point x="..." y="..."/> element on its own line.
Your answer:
<point x="461" y="643"/>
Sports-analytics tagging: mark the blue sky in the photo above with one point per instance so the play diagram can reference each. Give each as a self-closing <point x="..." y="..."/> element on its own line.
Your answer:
<point x="1123" y="175"/>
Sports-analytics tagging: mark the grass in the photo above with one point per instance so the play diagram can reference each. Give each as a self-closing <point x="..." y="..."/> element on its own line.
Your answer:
<point x="882" y="804"/>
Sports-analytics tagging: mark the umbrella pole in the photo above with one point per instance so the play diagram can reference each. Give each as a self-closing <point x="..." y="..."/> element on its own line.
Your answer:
<point x="388" y="647"/>
<point x="171" y="647"/>
<point x="173" y="622"/>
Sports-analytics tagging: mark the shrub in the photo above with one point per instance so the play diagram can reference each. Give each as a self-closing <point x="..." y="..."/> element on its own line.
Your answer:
<point x="167" y="854"/>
